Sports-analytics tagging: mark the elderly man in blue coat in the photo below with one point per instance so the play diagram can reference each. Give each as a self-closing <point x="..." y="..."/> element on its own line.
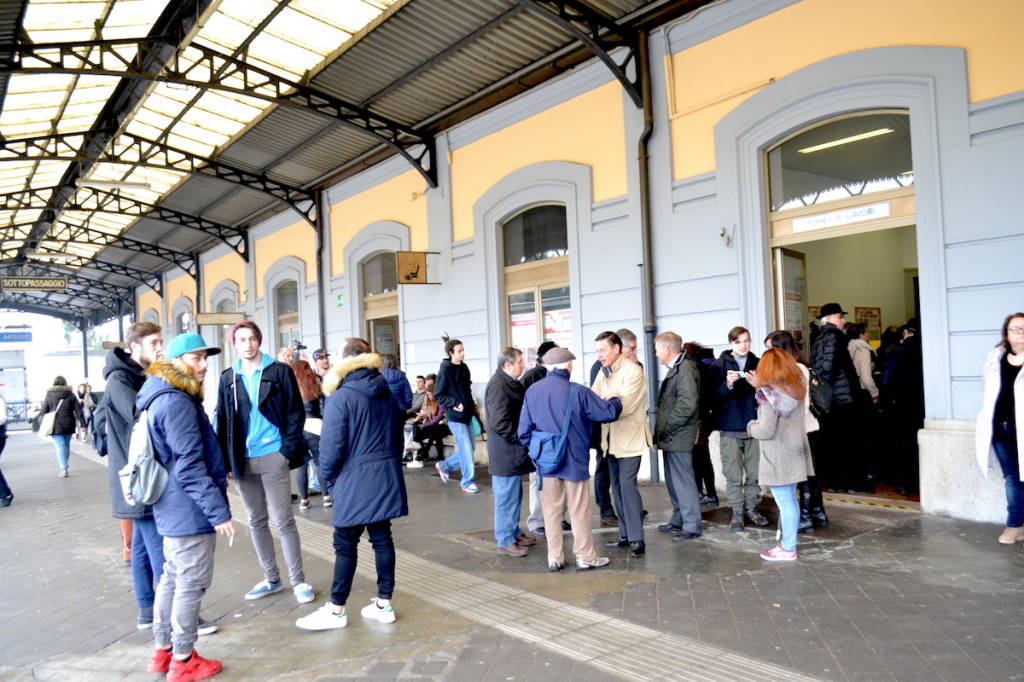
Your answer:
<point x="361" y="462"/>
<point x="548" y="403"/>
<point x="191" y="509"/>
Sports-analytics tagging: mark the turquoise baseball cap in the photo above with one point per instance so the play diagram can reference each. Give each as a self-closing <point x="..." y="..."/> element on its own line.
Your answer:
<point x="189" y="343"/>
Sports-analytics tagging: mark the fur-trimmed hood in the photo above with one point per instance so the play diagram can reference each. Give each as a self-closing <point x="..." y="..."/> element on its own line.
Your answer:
<point x="176" y="377"/>
<point x="338" y="373"/>
<point x="59" y="389"/>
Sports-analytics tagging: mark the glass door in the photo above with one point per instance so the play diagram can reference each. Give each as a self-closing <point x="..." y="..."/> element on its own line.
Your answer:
<point x="791" y="292"/>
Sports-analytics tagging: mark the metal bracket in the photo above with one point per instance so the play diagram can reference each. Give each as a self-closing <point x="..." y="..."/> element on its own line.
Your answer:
<point x="600" y="34"/>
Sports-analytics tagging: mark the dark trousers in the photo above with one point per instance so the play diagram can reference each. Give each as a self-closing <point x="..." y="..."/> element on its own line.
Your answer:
<point x="346" y="541"/>
<point x="602" y="485"/>
<point x="682" y="489"/>
<point x="628" y="503"/>
<point x="1004" y="440"/>
<point x="147" y="560"/>
<point x="703" y="471"/>
<point x="838" y="447"/>
<point x="430" y="437"/>
<point x="302" y="473"/>
<point x="5" y="490"/>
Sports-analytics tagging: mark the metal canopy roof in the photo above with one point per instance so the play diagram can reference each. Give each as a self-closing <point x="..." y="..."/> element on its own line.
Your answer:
<point x="135" y="134"/>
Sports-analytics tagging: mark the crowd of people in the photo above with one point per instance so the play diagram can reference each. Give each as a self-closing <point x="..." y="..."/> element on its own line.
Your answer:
<point x="784" y="422"/>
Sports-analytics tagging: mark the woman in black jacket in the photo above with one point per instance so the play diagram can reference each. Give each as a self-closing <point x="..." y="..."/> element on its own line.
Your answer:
<point x="62" y="400"/>
<point x="454" y="392"/>
<point x="313" y="401"/>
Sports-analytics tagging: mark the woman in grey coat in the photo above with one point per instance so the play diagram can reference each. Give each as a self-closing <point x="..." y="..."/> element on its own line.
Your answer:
<point x="781" y="430"/>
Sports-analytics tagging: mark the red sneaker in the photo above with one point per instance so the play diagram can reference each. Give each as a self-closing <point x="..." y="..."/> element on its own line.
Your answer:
<point x="195" y="668"/>
<point x="161" y="661"/>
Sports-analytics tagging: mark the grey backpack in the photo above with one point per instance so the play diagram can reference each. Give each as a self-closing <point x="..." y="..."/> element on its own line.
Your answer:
<point x="143" y="478"/>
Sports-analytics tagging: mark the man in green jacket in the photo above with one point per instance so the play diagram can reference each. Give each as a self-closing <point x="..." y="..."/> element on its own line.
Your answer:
<point x="675" y="433"/>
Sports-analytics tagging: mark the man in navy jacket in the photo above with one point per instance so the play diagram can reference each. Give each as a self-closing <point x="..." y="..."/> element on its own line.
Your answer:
<point x="544" y="410"/>
<point x="193" y="505"/>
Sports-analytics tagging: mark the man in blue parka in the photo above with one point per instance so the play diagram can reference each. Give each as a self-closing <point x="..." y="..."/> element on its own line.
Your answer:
<point x="193" y="506"/>
<point x="568" y="485"/>
<point x="361" y="462"/>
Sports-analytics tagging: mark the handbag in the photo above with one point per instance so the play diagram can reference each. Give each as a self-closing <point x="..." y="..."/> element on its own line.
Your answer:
<point x="547" y="449"/>
<point x="49" y="421"/>
<point x="475" y="427"/>
<point x="821" y="394"/>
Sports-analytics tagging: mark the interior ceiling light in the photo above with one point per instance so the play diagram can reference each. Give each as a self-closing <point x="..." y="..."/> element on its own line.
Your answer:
<point x="108" y="184"/>
<point x="846" y="140"/>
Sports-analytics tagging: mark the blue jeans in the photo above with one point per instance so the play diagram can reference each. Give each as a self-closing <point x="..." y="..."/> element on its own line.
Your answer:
<point x="147" y="560"/>
<point x="462" y="458"/>
<point x="508" y="505"/>
<point x="63" y="444"/>
<point x="1004" y="441"/>
<point x="789" y="514"/>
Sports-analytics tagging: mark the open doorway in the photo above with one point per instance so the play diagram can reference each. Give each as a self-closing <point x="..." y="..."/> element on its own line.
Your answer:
<point x="843" y="230"/>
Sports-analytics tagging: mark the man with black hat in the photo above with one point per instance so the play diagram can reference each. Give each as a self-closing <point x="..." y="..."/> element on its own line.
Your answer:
<point x="831" y="361"/>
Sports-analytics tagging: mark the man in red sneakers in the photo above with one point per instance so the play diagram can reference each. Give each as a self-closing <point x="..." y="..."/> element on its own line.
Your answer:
<point x="192" y="508"/>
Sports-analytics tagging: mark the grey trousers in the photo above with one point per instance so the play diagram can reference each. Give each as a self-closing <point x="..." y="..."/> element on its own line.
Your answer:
<point x="682" y="490"/>
<point x="188" y="572"/>
<point x="740" y="459"/>
<point x="267" y="492"/>
<point x="626" y="492"/>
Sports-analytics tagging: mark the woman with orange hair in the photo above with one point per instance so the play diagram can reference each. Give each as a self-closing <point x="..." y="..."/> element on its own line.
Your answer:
<point x="781" y="431"/>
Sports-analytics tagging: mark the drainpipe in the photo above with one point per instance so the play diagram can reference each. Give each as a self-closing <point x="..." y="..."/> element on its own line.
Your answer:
<point x="321" y="214"/>
<point x="647" y="266"/>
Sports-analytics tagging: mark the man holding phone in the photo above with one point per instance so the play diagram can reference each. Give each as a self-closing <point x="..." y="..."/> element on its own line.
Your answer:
<point x="740" y="453"/>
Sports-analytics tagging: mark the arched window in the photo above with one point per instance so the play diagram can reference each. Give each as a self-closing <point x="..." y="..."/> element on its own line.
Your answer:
<point x="151" y="315"/>
<point x="379" y="283"/>
<point x="183" y="322"/>
<point x="286" y="308"/>
<point x="536" y="275"/>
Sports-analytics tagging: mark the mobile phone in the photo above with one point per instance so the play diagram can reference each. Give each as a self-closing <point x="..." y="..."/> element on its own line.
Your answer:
<point x="742" y="375"/>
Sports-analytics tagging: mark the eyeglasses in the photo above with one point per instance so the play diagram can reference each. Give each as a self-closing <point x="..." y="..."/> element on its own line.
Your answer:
<point x="1015" y="329"/>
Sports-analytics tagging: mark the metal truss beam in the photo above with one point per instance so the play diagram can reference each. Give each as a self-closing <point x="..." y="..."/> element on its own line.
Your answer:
<point x="65" y="233"/>
<point x="130" y="149"/>
<point x="91" y="200"/>
<point x="79" y="279"/>
<point x="202" y="67"/>
<point x="600" y="34"/>
<point x="42" y="306"/>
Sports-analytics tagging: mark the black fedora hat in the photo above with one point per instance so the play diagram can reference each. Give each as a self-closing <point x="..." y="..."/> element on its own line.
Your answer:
<point x="832" y="309"/>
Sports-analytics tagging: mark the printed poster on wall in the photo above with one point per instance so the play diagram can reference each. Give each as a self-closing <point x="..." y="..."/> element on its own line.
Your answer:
<point x="871" y="318"/>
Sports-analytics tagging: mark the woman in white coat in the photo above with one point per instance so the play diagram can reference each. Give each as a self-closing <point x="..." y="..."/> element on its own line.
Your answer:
<point x="1002" y="409"/>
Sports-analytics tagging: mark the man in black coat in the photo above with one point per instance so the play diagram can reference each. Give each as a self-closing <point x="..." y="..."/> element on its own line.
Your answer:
<point x="260" y="446"/>
<point x="538" y="371"/>
<point x="125" y="374"/>
<point x="831" y="362"/>
<point x="507" y="458"/>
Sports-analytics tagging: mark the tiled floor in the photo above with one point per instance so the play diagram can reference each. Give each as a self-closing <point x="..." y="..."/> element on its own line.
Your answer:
<point x="878" y="595"/>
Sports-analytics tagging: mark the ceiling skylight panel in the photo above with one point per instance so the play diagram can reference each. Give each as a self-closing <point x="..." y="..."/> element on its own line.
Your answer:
<point x="224" y="32"/>
<point x="200" y="134"/>
<point x="227" y="105"/>
<point x="282" y="56"/>
<point x="42" y="19"/>
<point x="350" y="15"/>
<point x="132" y="18"/>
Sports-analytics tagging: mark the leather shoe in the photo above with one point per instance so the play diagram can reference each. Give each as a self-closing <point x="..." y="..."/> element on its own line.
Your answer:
<point x="669" y="528"/>
<point x="566" y="526"/>
<point x="525" y="540"/>
<point x="610" y="520"/>
<point x="687" y="535"/>
<point x="755" y="518"/>
<point x="513" y="550"/>
<point x="637" y="549"/>
<point x="621" y="542"/>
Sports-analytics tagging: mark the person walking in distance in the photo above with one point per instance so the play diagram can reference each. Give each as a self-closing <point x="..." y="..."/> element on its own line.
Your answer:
<point x="554" y="405"/>
<point x="260" y="419"/>
<point x="62" y="400"/>
<point x="507" y="458"/>
<point x="361" y="461"/>
<point x="192" y="508"/>
<point x="739" y="451"/>
<point x="675" y="433"/>
<point x="625" y="440"/>
<point x="998" y="436"/>
<point x="454" y="391"/>
<point x="6" y="496"/>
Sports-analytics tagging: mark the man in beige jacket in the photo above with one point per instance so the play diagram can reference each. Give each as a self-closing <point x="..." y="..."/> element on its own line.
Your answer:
<point x="625" y="440"/>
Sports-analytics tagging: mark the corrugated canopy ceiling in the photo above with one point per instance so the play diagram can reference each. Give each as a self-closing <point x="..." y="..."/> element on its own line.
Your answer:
<point x="129" y="126"/>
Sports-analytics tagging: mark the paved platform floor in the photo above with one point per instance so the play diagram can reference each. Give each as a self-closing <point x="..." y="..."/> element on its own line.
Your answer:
<point x="880" y="594"/>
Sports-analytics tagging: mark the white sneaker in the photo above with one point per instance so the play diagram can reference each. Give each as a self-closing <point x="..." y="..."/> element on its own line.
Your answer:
<point x="382" y="614"/>
<point x="324" y="618"/>
<point x="415" y="464"/>
<point x="304" y="593"/>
